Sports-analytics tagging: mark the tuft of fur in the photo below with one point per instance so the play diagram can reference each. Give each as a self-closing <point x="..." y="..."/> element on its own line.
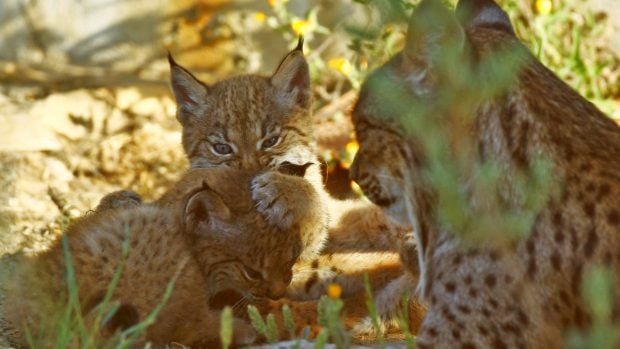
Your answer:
<point x="526" y="295"/>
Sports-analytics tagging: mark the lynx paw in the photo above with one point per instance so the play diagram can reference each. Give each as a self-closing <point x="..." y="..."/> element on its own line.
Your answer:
<point x="274" y="200"/>
<point x="388" y="302"/>
<point x="119" y="199"/>
<point x="365" y="330"/>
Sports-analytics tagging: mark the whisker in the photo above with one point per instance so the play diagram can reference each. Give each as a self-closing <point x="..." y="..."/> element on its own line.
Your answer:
<point x="241" y="304"/>
<point x="237" y="302"/>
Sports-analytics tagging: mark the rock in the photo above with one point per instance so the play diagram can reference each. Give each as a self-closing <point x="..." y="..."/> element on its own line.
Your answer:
<point x="110" y="152"/>
<point x="56" y="174"/>
<point x="149" y="105"/>
<point x="23" y="131"/>
<point x="125" y="98"/>
<point x="72" y="115"/>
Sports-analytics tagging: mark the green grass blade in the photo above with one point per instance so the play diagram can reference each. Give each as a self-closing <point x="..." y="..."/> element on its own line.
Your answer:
<point x="272" y="329"/>
<point x="74" y="309"/>
<point x="289" y="323"/>
<point x="257" y="320"/>
<point x="372" y="311"/>
<point x="226" y="327"/>
<point x="321" y="339"/>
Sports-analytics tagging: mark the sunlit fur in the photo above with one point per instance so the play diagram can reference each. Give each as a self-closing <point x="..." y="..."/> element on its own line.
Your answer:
<point x="205" y="238"/>
<point x="528" y="294"/>
<point x="245" y="111"/>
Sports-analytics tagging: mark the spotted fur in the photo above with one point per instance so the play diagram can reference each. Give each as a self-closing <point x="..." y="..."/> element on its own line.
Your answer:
<point x="528" y="294"/>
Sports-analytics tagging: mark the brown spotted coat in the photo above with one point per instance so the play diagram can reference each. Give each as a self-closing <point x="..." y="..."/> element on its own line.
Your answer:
<point x="528" y="294"/>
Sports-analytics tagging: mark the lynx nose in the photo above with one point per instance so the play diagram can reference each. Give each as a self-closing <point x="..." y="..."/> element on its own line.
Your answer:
<point x="277" y="291"/>
<point x="251" y="162"/>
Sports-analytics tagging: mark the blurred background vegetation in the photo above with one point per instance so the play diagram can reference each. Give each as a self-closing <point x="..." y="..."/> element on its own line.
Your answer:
<point x="85" y="106"/>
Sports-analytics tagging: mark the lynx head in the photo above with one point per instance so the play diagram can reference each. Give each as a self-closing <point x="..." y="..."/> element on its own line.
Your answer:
<point x="439" y="46"/>
<point x="248" y="121"/>
<point x="241" y="256"/>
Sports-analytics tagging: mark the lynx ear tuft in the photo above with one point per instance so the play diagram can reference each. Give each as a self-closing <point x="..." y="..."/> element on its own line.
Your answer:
<point x="203" y="206"/>
<point x="292" y="78"/>
<point x="189" y="92"/>
<point x="300" y="44"/>
<point x="171" y="60"/>
<point x="483" y="13"/>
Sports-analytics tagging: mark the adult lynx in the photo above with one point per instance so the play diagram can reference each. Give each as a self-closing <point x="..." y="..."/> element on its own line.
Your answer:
<point x="527" y="294"/>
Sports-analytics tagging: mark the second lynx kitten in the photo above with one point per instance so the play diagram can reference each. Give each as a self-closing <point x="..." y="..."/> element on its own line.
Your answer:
<point x="209" y="238"/>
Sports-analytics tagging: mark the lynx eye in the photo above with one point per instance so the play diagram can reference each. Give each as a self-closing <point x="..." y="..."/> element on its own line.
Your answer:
<point x="270" y="142"/>
<point x="222" y="149"/>
<point x="252" y="274"/>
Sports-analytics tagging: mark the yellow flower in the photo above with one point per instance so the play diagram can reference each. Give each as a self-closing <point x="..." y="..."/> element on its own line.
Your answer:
<point x="544" y="7"/>
<point x="341" y="65"/>
<point x="300" y="26"/>
<point x="350" y="150"/>
<point x="352" y="147"/>
<point x="273" y="3"/>
<point x="334" y="291"/>
<point x="260" y="16"/>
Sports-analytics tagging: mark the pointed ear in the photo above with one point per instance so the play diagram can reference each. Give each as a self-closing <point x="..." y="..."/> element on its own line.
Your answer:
<point x="483" y="13"/>
<point x="189" y="92"/>
<point x="433" y="30"/>
<point x="202" y="207"/>
<point x="292" y="79"/>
